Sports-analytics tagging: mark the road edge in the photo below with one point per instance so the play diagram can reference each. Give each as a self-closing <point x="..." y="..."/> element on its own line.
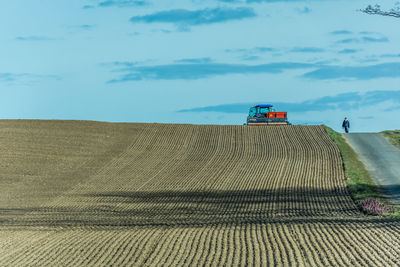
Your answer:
<point x="362" y="188"/>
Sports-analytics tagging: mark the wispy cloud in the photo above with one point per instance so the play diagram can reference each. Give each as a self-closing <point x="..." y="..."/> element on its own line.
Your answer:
<point x="9" y="77"/>
<point x="390" y="55"/>
<point x="254" y="1"/>
<point x="365" y="39"/>
<point x="194" y="60"/>
<point x="376" y="57"/>
<point x="272" y="1"/>
<point x="341" y="32"/>
<point x="118" y="3"/>
<point x="345" y="101"/>
<point x="349" y="40"/>
<point x="251" y="54"/>
<point x="385" y="70"/>
<point x="304" y="10"/>
<point x="122" y="3"/>
<point x="348" y="51"/>
<point x="375" y="40"/>
<point x="86" y="27"/>
<point x="26" y="78"/>
<point x="258" y="50"/>
<point x="196" y="17"/>
<point x="34" y="38"/>
<point x="367" y="32"/>
<point x="199" y="68"/>
<point x="192" y="71"/>
<point x="250" y="58"/>
<point x="243" y="1"/>
<point x="307" y="50"/>
<point x="254" y="50"/>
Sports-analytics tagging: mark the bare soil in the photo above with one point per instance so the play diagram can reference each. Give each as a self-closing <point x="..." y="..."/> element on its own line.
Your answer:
<point x="99" y="194"/>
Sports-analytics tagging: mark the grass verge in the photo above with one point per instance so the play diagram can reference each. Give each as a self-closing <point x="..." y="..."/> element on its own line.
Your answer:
<point x="393" y="136"/>
<point x="359" y="182"/>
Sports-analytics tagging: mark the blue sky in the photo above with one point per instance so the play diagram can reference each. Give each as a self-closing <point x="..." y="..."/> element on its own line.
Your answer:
<point x="199" y="61"/>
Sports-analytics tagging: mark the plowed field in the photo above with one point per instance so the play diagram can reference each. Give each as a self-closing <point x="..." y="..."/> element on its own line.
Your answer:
<point x="87" y="193"/>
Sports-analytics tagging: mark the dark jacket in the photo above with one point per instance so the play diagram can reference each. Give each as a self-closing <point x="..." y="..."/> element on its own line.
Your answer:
<point x="346" y="123"/>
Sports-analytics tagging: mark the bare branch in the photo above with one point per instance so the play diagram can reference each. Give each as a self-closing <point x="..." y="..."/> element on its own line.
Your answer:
<point x="376" y="10"/>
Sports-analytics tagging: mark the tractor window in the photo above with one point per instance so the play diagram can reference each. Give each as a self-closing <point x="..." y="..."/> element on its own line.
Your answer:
<point x="252" y="112"/>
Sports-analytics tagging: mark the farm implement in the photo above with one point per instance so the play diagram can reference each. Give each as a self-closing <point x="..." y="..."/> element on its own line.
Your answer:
<point x="266" y="115"/>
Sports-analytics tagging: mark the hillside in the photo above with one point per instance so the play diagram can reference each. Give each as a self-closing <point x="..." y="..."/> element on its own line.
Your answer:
<point x="91" y="193"/>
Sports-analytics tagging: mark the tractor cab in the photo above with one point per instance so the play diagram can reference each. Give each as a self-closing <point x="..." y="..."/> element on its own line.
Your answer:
<point x="260" y="110"/>
<point x="266" y="115"/>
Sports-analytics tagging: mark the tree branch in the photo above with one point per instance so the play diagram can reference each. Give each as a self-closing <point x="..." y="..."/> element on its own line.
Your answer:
<point x="376" y="10"/>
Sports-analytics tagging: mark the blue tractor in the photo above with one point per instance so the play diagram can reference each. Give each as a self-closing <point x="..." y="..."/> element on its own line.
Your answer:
<point x="266" y="115"/>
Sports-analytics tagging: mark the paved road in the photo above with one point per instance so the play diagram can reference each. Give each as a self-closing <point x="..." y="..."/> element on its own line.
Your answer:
<point x="381" y="159"/>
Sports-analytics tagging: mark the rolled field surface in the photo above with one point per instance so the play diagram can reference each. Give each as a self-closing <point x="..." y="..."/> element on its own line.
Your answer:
<point x="100" y="194"/>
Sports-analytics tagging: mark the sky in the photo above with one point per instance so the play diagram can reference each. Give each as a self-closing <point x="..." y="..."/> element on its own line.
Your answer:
<point x="200" y="61"/>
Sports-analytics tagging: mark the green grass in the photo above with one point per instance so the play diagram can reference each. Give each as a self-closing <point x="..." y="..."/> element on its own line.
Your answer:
<point x="360" y="183"/>
<point x="393" y="136"/>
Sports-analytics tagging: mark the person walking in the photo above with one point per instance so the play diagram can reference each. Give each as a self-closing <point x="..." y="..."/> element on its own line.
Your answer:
<point x="346" y="125"/>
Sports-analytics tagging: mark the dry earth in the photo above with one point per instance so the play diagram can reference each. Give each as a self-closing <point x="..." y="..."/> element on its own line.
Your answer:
<point x="88" y="193"/>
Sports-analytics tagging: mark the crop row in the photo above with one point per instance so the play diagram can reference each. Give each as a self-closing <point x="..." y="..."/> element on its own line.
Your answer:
<point x="329" y="243"/>
<point x="201" y="195"/>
